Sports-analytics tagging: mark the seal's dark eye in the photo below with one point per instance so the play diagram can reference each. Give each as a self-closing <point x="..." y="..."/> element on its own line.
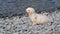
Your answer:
<point x="28" y="10"/>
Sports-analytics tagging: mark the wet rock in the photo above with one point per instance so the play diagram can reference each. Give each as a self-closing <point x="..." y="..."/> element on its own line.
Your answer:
<point x="16" y="25"/>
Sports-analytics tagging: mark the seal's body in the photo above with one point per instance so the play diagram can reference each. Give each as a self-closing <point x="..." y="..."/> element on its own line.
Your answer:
<point x="37" y="18"/>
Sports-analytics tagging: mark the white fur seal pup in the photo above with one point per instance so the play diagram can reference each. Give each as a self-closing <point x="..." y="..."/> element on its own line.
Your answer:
<point x="37" y="18"/>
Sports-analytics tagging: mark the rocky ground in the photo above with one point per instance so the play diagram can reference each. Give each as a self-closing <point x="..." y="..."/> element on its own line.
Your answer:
<point x="22" y="25"/>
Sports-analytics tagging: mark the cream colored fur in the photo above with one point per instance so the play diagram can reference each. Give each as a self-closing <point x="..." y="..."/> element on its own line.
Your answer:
<point x="37" y="18"/>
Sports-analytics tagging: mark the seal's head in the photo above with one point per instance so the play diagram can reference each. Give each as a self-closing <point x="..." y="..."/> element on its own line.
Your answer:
<point x="30" y="10"/>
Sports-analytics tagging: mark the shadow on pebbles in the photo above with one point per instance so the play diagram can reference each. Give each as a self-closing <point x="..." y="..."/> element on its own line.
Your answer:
<point x="16" y="25"/>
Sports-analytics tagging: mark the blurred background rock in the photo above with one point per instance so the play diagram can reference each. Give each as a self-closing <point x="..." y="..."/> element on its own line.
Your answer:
<point x="16" y="7"/>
